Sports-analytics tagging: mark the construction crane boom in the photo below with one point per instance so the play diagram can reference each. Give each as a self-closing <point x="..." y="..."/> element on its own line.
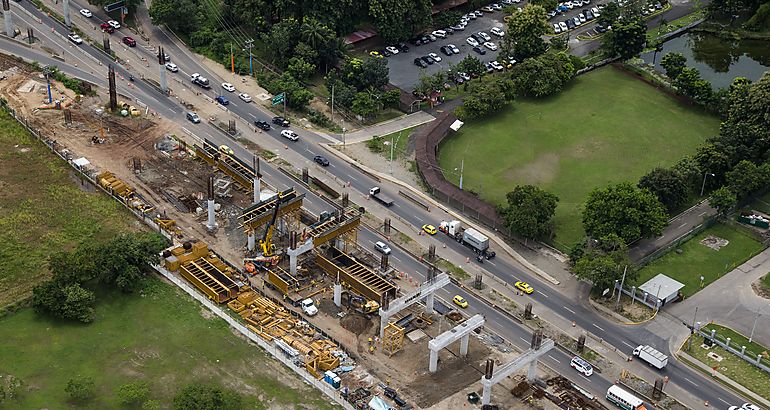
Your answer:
<point x="266" y="243"/>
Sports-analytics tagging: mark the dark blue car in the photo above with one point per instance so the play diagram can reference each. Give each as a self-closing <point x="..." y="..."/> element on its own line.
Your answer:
<point x="222" y="100"/>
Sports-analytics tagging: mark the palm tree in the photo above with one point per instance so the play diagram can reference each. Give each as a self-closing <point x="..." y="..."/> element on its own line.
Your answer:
<point x="335" y="50"/>
<point x="314" y="32"/>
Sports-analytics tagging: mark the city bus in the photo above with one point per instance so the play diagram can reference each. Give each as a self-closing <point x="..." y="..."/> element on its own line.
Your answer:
<point x="624" y="399"/>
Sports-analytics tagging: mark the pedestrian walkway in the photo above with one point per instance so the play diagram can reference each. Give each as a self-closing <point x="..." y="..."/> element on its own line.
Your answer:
<point x="389" y="127"/>
<point x="678" y="226"/>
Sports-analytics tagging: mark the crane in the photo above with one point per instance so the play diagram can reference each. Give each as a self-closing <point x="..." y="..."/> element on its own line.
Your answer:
<point x="266" y="243"/>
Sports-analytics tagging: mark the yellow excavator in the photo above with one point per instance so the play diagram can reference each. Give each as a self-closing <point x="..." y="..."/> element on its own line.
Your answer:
<point x="266" y="243"/>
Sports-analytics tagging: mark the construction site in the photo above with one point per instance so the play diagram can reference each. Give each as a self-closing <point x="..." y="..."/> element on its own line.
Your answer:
<point x="297" y="279"/>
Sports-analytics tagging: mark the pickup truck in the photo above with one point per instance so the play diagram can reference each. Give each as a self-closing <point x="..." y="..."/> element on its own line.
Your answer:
<point x="378" y="196"/>
<point x="308" y="307"/>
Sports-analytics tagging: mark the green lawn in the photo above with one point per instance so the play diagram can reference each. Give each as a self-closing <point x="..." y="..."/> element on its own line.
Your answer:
<point x="42" y="210"/>
<point x="606" y="127"/>
<point x="161" y="337"/>
<point x="697" y="259"/>
<point x="766" y="282"/>
<point x="400" y="139"/>
<point x="737" y="339"/>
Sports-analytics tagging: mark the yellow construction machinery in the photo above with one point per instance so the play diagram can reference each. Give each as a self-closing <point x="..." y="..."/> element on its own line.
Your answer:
<point x="266" y="243"/>
<point x="360" y="304"/>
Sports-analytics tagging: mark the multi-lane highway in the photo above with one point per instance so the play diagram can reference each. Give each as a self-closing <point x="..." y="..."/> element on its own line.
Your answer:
<point x="88" y="63"/>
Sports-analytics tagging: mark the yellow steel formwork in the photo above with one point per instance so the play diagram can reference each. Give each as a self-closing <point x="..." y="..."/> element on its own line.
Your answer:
<point x="362" y="279"/>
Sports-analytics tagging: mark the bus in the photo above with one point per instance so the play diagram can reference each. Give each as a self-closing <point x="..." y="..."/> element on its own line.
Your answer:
<point x="624" y="399"/>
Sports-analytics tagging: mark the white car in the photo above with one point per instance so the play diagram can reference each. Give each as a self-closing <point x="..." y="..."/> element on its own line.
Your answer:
<point x="308" y="307"/>
<point x="392" y="50"/>
<point x="290" y="135"/>
<point x="439" y="33"/>
<point x="496" y="6"/>
<point x="582" y="17"/>
<point x="596" y="12"/>
<point x="434" y="56"/>
<point x="86" y="13"/>
<point x="484" y="35"/>
<point x="472" y="42"/>
<point x="490" y="45"/>
<point x="576" y="21"/>
<point x="556" y="29"/>
<point x="497" y="31"/>
<point x="382" y="247"/>
<point x="172" y="67"/>
<point x="245" y="97"/>
<point x="497" y="66"/>
<point x="454" y="48"/>
<point x="75" y="38"/>
<point x="563" y="26"/>
<point x="228" y="87"/>
<point x="114" y="24"/>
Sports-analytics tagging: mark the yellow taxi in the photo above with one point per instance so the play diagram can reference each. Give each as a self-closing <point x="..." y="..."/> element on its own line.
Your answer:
<point x="460" y="301"/>
<point x="376" y="54"/>
<point x="429" y="229"/>
<point x="227" y="150"/>
<point x="524" y="287"/>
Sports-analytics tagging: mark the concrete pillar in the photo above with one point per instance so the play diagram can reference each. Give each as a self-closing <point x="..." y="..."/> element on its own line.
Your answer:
<point x="293" y="263"/>
<point x="257" y="184"/>
<point x="743" y="350"/>
<point x="163" y="82"/>
<point x="252" y="242"/>
<point x="433" y="365"/>
<point x="429" y="303"/>
<point x="212" y="223"/>
<point x="532" y="371"/>
<point x="66" y="11"/>
<point x="383" y="322"/>
<point x="8" y="23"/>
<point x="727" y="343"/>
<point x="486" y="394"/>
<point x="464" y="345"/>
<point x="338" y="294"/>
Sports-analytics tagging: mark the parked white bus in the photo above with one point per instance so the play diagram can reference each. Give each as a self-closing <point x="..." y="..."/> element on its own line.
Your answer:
<point x="624" y="399"/>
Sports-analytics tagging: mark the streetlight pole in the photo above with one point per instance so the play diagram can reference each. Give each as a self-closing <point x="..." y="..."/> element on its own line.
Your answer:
<point x="343" y="135"/>
<point x="756" y="317"/>
<point x="462" y="166"/>
<point x="703" y="186"/>
<point x="249" y="45"/>
<point x="692" y="329"/>
<point x="620" y="291"/>
<point x="392" y="145"/>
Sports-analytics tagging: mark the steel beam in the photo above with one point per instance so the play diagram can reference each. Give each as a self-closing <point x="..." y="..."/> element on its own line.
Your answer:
<point x="460" y="332"/>
<point x="426" y="289"/>
<point x="530" y="357"/>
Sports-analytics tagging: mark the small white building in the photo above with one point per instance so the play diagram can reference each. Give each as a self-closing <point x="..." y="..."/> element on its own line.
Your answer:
<point x="663" y="287"/>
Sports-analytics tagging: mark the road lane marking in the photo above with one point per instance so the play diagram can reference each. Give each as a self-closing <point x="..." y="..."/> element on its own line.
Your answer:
<point x="693" y="383"/>
<point x="570" y="310"/>
<point x="542" y="293"/>
<point x="720" y="399"/>
<point x="491" y="263"/>
<point x="682" y="225"/>
<point x="633" y="347"/>
<point x="554" y="359"/>
<point x="524" y="340"/>
<point x="396" y="258"/>
<point x="701" y="214"/>
<point x="594" y="325"/>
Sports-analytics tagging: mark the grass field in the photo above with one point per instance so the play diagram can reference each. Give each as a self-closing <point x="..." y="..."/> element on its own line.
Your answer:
<point x="42" y="209"/>
<point x="162" y="337"/>
<point x="606" y="127"/>
<point x="697" y="259"/>
<point x="400" y="140"/>
<point x="766" y="282"/>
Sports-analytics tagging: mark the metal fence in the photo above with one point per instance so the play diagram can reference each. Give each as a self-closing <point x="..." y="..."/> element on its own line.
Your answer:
<point x="274" y="351"/>
<point x="660" y="252"/>
<point x="752" y="358"/>
<point x="636" y="295"/>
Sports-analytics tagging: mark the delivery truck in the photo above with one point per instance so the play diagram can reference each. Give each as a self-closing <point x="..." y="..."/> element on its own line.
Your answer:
<point x="648" y="354"/>
<point x="470" y="237"/>
<point x="376" y="193"/>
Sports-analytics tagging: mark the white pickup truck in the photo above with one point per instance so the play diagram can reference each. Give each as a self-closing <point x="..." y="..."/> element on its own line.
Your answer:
<point x="308" y="307"/>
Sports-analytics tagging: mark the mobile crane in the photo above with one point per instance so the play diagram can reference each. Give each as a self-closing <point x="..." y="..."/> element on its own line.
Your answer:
<point x="266" y="243"/>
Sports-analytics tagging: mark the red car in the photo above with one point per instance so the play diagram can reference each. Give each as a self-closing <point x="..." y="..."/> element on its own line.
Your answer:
<point x="129" y="41"/>
<point x="107" y="28"/>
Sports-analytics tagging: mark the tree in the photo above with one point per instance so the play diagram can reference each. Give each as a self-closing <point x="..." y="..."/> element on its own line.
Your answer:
<point x="396" y="20"/>
<point x="530" y="211"/>
<point x="668" y="185"/>
<point x="471" y="65"/>
<point x="690" y="171"/>
<point x="300" y="69"/>
<point x="525" y="32"/>
<point x="78" y="303"/>
<point x="202" y="397"/>
<point x="178" y="15"/>
<point x="601" y="260"/>
<point x="151" y="405"/>
<point x="314" y="33"/>
<point x="624" y="210"/>
<point x="546" y="4"/>
<point x="485" y="97"/>
<point x="80" y="388"/>
<point x="426" y="84"/>
<point x="391" y="98"/>
<point x="744" y="133"/>
<point x="714" y="160"/>
<point x="364" y="104"/>
<point x="723" y="199"/>
<point x="609" y="14"/>
<point x="126" y="258"/>
<point x="543" y="75"/>
<point x="673" y="63"/>
<point x="282" y="38"/>
<point x="446" y="18"/>
<point x="746" y="178"/>
<point x="307" y="53"/>
<point x="132" y="393"/>
<point x="626" y="39"/>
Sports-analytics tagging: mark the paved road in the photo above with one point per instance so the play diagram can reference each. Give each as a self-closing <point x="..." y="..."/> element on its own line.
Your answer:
<point x="678" y="226"/>
<point x="623" y="338"/>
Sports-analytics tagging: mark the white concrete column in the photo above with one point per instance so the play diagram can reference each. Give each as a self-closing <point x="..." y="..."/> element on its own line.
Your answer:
<point x="464" y="345"/>
<point x="163" y="82"/>
<point x="66" y="11"/>
<point x="486" y="394"/>
<point x="257" y="185"/>
<point x="293" y="262"/>
<point x="338" y="294"/>
<point x="252" y="241"/>
<point x="433" y="365"/>
<point x="383" y="322"/>
<point x="532" y="370"/>
<point x="8" y="23"/>
<point x="429" y="303"/>
<point x="212" y="223"/>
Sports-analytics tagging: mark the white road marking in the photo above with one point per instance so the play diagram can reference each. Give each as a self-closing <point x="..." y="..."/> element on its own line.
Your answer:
<point x="569" y="310"/>
<point x="683" y="225"/>
<point x="720" y="399"/>
<point x="491" y="263"/>
<point x="594" y="325"/>
<point x="542" y="293"/>
<point x="693" y="383"/>
<point x="554" y="359"/>
<point x="396" y="258"/>
<point x="633" y="347"/>
<point x="701" y="214"/>
<point x="524" y="340"/>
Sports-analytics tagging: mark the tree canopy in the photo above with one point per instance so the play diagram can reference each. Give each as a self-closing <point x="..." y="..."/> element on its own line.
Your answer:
<point x="525" y="31"/>
<point x="626" y="39"/>
<point x="543" y="75"/>
<point x="204" y="397"/>
<point x="668" y="185"/>
<point x="623" y="210"/>
<point x="530" y="211"/>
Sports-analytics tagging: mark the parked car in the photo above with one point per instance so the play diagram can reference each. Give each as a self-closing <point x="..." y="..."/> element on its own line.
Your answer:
<point x="490" y="45"/>
<point x="222" y="100"/>
<point x="497" y="66"/>
<point x="575" y="21"/>
<point x="193" y="117"/>
<point x="427" y="59"/>
<point x="435" y="57"/>
<point x="497" y="31"/>
<point x="75" y="38"/>
<point x="458" y="27"/>
<point x="489" y="68"/>
<point x="244" y="97"/>
<point x="454" y="48"/>
<point x="484" y="36"/>
<point x="263" y="125"/>
<point x="479" y="50"/>
<point x="581" y="17"/>
<point x="290" y="135"/>
<point x="563" y="26"/>
<point x="382" y="247"/>
<point x="432" y="38"/>
<point x="556" y="29"/>
<point x="376" y="54"/>
<point x="465" y="76"/>
<point x="402" y="47"/>
<point x="129" y="41"/>
<point x="392" y="49"/>
<point x="488" y="9"/>
<point x="321" y="160"/>
<point x="420" y="63"/>
<point x="107" y="28"/>
<point x="446" y="50"/>
<point x="86" y="13"/>
<point x="114" y="24"/>
<point x="439" y="33"/>
<point x="496" y="7"/>
<point x="589" y="15"/>
<point x="281" y="121"/>
<point x="172" y="67"/>
<point x="471" y="42"/>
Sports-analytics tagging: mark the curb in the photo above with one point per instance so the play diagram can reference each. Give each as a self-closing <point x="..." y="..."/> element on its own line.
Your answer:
<point x="603" y="309"/>
<point x="507" y="248"/>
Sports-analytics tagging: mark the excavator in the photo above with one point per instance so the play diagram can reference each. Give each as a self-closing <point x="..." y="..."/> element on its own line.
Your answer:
<point x="360" y="304"/>
<point x="266" y="243"/>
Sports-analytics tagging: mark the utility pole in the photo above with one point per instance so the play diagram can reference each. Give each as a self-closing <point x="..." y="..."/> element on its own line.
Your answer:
<point x="462" y="167"/>
<point x="620" y="291"/>
<point x="692" y="329"/>
<point x="392" y="145"/>
<point x="703" y="186"/>
<point x="285" y="96"/>
<point x="333" y="102"/>
<point x="232" y="59"/>
<point x="249" y="45"/>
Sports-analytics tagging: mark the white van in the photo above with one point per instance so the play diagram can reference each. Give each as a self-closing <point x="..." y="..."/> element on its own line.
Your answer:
<point x="582" y="366"/>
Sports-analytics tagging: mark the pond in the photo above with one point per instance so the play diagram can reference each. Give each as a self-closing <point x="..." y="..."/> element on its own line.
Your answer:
<point x="718" y="60"/>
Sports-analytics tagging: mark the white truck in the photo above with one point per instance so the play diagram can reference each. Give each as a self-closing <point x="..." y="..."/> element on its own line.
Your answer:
<point x="470" y="237"/>
<point x="376" y="193"/>
<point x="200" y="80"/>
<point x="308" y="307"/>
<point x="655" y="358"/>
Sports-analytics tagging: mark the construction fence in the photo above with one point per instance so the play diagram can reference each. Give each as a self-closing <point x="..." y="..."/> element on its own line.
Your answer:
<point x="757" y="360"/>
<point x="275" y="352"/>
<point x="84" y="173"/>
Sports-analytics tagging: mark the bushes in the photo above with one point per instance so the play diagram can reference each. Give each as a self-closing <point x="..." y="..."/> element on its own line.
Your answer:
<point x="543" y="75"/>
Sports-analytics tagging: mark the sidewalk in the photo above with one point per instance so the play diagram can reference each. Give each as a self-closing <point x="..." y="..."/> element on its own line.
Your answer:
<point x="389" y="127"/>
<point x="678" y="226"/>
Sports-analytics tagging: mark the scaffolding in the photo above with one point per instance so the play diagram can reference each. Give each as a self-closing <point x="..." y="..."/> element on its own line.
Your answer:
<point x="393" y="339"/>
